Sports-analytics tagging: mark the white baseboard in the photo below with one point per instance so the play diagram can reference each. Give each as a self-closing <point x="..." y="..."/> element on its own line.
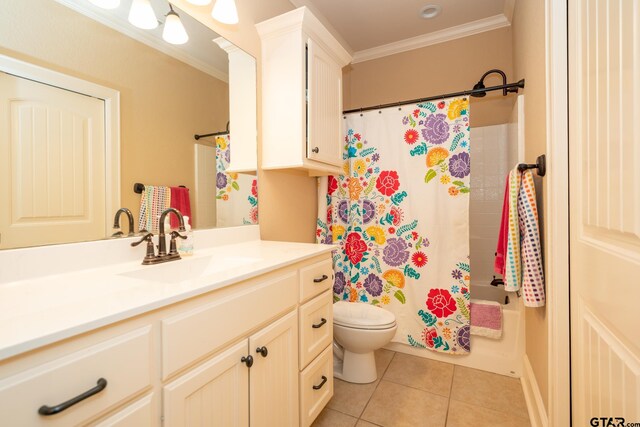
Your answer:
<point x="535" y="406"/>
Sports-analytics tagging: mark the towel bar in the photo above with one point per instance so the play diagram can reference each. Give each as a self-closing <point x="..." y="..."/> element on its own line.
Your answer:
<point x="138" y="188"/>
<point x="541" y="165"/>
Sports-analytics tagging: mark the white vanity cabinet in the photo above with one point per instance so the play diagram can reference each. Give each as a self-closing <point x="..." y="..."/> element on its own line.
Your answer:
<point x="301" y="94"/>
<point x="246" y="354"/>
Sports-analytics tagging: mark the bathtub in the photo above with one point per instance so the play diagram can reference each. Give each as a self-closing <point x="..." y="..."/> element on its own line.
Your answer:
<point x="503" y="356"/>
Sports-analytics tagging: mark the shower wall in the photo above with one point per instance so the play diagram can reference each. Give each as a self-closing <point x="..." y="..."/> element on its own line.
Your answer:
<point x="493" y="154"/>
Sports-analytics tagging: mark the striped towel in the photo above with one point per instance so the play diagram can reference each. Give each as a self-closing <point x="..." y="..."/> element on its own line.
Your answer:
<point x="531" y="252"/>
<point x="523" y="266"/>
<point x="153" y="201"/>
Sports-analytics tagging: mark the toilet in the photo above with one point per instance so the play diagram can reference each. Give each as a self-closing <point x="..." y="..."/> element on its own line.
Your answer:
<point x="358" y="330"/>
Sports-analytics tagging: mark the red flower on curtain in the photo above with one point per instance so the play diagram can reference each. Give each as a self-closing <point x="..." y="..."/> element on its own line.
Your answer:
<point x="333" y="184"/>
<point x="388" y="182"/>
<point x="428" y="335"/>
<point x="440" y="302"/>
<point x="355" y="247"/>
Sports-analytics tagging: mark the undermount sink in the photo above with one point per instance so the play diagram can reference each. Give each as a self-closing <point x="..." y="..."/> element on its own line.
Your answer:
<point x="187" y="268"/>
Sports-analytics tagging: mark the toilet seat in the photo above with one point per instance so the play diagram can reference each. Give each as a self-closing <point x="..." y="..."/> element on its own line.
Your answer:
<point x="362" y="316"/>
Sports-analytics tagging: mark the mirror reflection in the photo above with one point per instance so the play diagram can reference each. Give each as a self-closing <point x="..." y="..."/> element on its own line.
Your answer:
<point x="59" y="178"/>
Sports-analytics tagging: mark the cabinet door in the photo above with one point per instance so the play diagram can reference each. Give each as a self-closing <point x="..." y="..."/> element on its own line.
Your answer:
<point x="324" y="137"/>
<point x="274" y="377"/>
<point x="213" y="394"/>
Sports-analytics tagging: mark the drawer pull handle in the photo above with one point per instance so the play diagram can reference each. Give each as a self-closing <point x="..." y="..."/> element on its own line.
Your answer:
<point x="319" y="386"/>
<point x="263" y="351"/>
<point x="319" y="325"/>
<point x="52" y="410"/>
<point x="247" y="360"/>
<point x="315" y="150"/>
<point x="321" y="279"/>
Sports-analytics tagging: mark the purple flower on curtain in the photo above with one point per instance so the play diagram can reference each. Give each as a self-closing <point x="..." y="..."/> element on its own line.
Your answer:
<point x="343" y="210"/>
<point x="436" y="129"/>
<point x="456" y="274"/>
<point x="227" y="156"/>
<point x="339" y="283"/>
<point x="395" y="253"/>
<point x="221" y="180"/>
<point x="368" y="211"/>
<point x="373" y="285"/>
<point x="463" y="337"/>
<point x="460" y="165"/>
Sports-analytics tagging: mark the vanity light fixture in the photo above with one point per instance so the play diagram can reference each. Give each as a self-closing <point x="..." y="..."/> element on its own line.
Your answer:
<point x="174" y="31"/>
<point x="106" y="4"/>
<point x="225" y="11"/>
<point x="199" y="2"/>
<point x="142" y="15"/>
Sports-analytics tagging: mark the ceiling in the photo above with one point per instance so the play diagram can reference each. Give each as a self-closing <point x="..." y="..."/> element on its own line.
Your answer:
<point x="369" y="24"/>
<point x="200" y="51"/>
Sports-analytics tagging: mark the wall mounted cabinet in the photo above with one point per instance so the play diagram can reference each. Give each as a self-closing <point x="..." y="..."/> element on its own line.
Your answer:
<point x="301" y="94"/>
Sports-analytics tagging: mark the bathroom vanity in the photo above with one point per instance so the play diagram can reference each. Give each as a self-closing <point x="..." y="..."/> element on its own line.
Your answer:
<point x="239" y="334"/>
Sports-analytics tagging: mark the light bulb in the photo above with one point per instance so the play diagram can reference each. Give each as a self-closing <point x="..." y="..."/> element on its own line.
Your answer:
<point x="225" y="11"/>
<point x="106" y="4"/>
<point x="142" y="16"/>
<point x="174" y="31"/>
<point x="199" y="2"/>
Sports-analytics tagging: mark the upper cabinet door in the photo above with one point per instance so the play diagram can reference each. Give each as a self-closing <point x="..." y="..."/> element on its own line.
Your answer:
<point x="324" y="106"/>
<point x="274" y="375"/>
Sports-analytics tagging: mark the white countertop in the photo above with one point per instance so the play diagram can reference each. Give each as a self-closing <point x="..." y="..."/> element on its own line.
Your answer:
<point x="42" y="310"/>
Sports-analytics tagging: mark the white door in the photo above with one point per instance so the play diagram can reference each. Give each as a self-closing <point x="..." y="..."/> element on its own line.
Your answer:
<point x="52" y="164"/>
<point x="214" y="394"/>
<point x="604" y="150"/>
<point x="274" y="376"/>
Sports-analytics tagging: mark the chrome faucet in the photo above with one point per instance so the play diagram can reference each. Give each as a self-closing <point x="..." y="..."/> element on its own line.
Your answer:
<point x="116" y="222"/>
<point x="163" y="256"/>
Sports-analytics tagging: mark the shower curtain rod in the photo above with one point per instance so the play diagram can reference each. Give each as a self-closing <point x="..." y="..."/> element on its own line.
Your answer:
<point x="224" y="132"/>
<point x="513" y="86"/>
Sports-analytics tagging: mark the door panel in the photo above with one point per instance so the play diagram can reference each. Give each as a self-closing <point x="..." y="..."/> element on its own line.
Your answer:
<point x="274" y="378"/>
<point x="213" y="394"/>
<point x="324" y="125"/>
<point x="52" y="146"/>
<point x="604" y="57"/>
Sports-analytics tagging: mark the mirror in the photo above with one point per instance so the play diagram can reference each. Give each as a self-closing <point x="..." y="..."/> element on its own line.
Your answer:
<point x="57" y="183"/>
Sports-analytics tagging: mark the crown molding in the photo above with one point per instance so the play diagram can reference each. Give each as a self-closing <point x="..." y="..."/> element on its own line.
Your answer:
<point x="453" y="33"/>
<point x="145" y="38"/>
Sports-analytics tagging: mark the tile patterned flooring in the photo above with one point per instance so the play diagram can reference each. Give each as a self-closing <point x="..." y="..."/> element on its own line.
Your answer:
<point x="412" y="391"/>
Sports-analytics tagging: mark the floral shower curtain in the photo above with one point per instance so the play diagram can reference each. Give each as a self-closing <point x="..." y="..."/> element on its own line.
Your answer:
<point x="237" y="193"/>
<point x="400" y="215"/>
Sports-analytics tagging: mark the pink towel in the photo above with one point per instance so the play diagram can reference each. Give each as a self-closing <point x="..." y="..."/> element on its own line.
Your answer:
<point x="501" y="250"/>
<point x="180" y="200"/>
<point x="486" y="318"/>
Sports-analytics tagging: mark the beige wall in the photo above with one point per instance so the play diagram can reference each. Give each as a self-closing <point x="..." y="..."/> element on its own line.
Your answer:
<point x="163" y="101"/>
<point x="529" y="63"/>
<point x="442" y="68"/>
<point x="288" y="203"/>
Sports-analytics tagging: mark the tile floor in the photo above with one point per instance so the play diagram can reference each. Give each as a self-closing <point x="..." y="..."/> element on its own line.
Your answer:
<point x="413" y="391"/>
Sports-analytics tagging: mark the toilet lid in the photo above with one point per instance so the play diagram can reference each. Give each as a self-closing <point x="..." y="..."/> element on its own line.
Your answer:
<point x="362" y="316"/>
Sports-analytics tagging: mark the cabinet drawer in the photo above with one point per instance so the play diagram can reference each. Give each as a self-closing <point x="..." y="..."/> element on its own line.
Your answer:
<point x="123" y="361"/>
<point x="313" y="400"/>
<point x="316" y="278"/>
<point x="316" y="326"/>
<point x="193" y="334"/>
<point x="137" y="414"/>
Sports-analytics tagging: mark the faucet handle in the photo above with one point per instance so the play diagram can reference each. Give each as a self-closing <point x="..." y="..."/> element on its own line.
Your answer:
<point x="173" y="251"/>
<point x="148" y="237"/>
<point x="150" y="257"/>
